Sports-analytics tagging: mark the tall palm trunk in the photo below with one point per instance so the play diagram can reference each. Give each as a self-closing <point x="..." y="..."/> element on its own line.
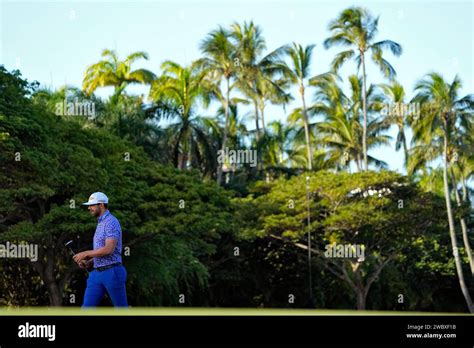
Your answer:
<point x="184" y="141"/>
<point x="257" y="123"/>
<point x="464" y="190"/>
<point x="452" y="231"/>
<point x="364" y="110"/>
<point x="257" y="127"/>
<point x="465" y="237"/>
<point x="226" y="130"/>
<point x="262" y="116"/>
<point x="358" y="164"/>
<point x="117" y="92"/>
<point x="306" y="129"/>
<point x="405" y="148"/>
<point x="183" y="160"/>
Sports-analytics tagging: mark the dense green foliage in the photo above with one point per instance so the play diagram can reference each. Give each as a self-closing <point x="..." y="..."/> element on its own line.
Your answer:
<point x="171" y="221"/>
<point x="224" y="233"/>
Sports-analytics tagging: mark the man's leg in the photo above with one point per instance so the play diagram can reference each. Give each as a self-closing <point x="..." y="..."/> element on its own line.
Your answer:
<point x="94" y="292"/>
<point x="114" y="282"/>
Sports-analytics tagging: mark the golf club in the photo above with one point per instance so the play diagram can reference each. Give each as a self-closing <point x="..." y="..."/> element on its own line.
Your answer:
<point x="69" y="246"/>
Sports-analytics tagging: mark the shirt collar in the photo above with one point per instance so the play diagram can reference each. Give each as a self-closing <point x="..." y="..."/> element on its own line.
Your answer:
<point x="103" y="216"/>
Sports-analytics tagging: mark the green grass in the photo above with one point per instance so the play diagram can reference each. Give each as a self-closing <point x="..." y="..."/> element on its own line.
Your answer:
<point x="173" y="311"/>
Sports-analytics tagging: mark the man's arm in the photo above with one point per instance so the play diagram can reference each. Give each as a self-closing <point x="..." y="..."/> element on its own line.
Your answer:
<point x="110" y="244"/>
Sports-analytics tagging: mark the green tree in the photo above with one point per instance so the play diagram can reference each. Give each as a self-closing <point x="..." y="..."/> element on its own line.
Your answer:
<point x="355" y="27"/>
<point x="260" y="77"/>
<point x="220" y="63"/>
<point x="395" y="100"/>
<point x="341" y="129"/>
<point x="276" y="144"/>
<point x="298" y="73"/>
<point x="171" y="221"/>
<point x="182" y="88"/>
<point x="354" y="209"/>
<point x="115" y="73"/>
<point x="442" y="114"/>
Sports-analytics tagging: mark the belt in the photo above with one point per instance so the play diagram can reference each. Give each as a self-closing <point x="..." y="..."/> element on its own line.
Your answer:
<point x="103" y="268"/>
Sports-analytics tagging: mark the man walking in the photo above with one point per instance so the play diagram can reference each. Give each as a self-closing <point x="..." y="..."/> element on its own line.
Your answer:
<point x="108" y="274"/>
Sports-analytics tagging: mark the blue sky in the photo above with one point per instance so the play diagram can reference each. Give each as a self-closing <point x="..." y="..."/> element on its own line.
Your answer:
<point x="54" y="42"/>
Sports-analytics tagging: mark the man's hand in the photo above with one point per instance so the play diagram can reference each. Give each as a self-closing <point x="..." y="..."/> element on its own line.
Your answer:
<point x="110" y="244"/>
<point x="85" y="264"/>
<point x="81" y="256"/>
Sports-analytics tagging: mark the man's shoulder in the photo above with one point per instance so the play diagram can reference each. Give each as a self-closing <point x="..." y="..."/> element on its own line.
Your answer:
<point x="112" y="218"/>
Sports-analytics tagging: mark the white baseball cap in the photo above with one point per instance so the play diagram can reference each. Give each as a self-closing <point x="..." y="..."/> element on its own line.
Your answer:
<point x="96" y="198"/>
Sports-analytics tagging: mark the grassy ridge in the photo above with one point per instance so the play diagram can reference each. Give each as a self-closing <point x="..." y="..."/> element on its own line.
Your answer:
<point x="172" y="311"/>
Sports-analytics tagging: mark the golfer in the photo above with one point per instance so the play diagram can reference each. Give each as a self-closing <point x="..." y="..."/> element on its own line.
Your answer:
<point x="108" y="274"/>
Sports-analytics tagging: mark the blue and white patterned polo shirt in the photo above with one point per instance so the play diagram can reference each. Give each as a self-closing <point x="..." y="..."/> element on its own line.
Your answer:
<point x="108" y="226"/>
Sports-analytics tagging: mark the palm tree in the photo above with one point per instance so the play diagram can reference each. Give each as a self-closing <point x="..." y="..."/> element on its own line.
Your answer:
<point x="465" y="164"/>
<point x="462" y="169"/>
<point x="443" y="114"/>
<point x="219" y="62"/>
<point x="182" y="88"/>
<point x="258" y="77"/>
<point x="250" y="44"/>
<point x="70" y="102"/>
<point x="116" y="73"/>
<point x="395" y="99"/>
<point x="134" y="122"/>
<point x="237" y="129"/>
<point x="298" y="73"/>
<point x="341" y="129"/>
<point x="462" y="165"/>
<point x="268" y="89"/>
<point x="355" y="27"/>
<point x="236" y="133"/>
<point x="276" y="144"/>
